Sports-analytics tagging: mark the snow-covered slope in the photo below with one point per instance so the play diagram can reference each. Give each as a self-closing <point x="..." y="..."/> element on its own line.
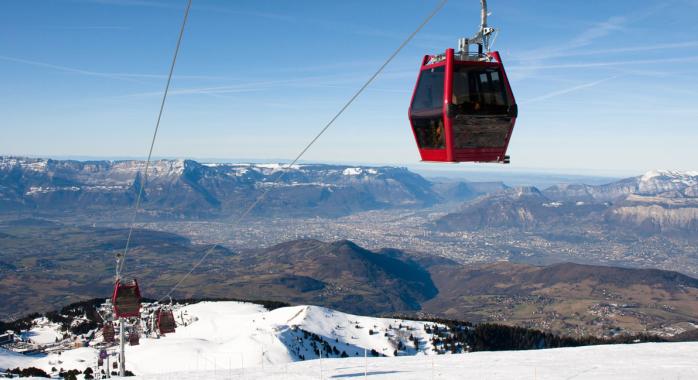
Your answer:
<point x="648" y="361"/>
<point x="44" y="332"/>
<point x="663" y="181"/>
<point x="226" y="340"/>
<point x="666" y="183"/>
<point x="222" y="334"/>
<point x="238" y="334"/>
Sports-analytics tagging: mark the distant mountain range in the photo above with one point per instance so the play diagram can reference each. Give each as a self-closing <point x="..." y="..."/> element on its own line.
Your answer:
<point x="662" y="183"/>
<point x="188" y="189"/>
<point x="520" y="207"/>
<point x="176" y="189"/>
<point x="659" y="201"/>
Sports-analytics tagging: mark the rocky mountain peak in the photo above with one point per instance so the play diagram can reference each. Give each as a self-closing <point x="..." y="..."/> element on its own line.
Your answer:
<point x="524" y="191"/>
<point x="656" y="182"/>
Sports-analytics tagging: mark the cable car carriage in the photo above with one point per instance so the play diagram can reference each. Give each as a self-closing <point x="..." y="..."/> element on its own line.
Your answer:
<point x="108" y="332"/>
<point x="463" y="108"/>
<point x="134" y="337"/>
<point x="165" y="321"/>
<point x="126" y="299"/>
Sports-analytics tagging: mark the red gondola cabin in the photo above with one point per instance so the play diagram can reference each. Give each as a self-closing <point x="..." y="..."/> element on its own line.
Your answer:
<point x="108" y="332"/>
<point x="126" y="299"/>
<point x="133" y="338"/>
<point x="166" y="322"/>
<point x="463" y="108"/>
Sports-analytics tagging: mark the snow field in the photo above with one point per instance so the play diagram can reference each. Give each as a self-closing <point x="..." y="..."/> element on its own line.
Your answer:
<point x="234" y="335"/>
<point x="234" y="340"/>
<point x="647" y="361"/>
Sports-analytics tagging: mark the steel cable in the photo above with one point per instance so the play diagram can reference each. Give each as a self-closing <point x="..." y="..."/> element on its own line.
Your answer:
<point x="122" y="259"/>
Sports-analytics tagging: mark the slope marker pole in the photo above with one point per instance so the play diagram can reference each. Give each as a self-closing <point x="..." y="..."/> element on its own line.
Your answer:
<point x="432" y="368"/>
<point x="365" y="363"/>
<point x="122" y="358"/>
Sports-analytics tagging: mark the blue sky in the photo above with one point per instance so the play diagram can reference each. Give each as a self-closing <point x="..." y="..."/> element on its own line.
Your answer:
<point x="602" y="86"/>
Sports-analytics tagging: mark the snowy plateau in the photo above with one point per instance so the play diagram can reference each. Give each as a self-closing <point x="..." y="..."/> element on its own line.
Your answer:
<point x="234" y="340"/>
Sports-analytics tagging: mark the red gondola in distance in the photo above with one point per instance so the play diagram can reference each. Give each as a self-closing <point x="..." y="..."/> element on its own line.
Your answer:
<point x="108" y="332"/>
<point x="134" y="338"/>
<point x="126" y="299"/>
<point x="165" y="321"/>
<point x="463" y="108"/>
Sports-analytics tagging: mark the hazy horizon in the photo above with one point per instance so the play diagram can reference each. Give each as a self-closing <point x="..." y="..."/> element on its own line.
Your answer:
<point x="417" y="165"/>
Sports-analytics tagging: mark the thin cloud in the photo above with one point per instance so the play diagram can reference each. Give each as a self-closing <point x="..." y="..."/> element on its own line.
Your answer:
<point x="195" y="6"/>
<point x="586" y="65"/>
<point x="630" y="49"/>
<point x="333" y="25"/>
<point x="250" y="86"/>
<point x="565" y="91"/>
<point x="131" y="77"/>
<point x="72" y="70"/>
<point x="139" y="3"/>
<point x="330" y="81"/>
<point x="87" y="27"/>
<point x="267" y="15"/>
<point x="584" y="38"/>
<point x="600" y="30"/>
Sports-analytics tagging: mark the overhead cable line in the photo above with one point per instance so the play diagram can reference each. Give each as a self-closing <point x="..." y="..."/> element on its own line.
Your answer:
<point x="307" y="147"/>
<point x="122" y="259"/>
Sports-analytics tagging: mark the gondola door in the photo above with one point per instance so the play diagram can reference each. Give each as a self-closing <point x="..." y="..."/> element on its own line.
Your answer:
<point x="481" y="110"/>
<point x="426" y="112"/>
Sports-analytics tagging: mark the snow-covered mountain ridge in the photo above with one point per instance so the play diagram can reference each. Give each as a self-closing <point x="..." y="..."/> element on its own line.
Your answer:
<point x="123" y="172"/>
<point x="189" y="188"/>
<point x="664" y="183"/>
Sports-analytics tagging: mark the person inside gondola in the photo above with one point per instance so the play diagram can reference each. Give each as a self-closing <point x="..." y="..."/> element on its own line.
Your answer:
<point x="476" y="106"/>
<point x="433" y="135"/>
<point x="478" y="92"/>
<point x="437" y="134"/>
